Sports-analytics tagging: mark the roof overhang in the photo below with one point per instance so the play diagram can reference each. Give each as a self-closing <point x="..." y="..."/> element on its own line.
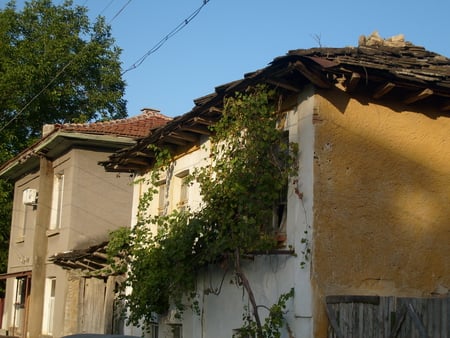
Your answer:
<point x="54" y="145"/>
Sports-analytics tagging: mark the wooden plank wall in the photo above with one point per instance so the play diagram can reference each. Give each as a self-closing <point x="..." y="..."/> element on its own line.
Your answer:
<point x="388" y="317"/>
<point x="93" y="320"/>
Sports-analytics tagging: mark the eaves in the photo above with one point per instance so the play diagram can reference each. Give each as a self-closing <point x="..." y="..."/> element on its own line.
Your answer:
<point x="54" y="145"/>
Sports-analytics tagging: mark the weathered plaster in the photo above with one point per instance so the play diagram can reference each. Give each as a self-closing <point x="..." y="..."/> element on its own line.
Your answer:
<point x="381" y="197"/>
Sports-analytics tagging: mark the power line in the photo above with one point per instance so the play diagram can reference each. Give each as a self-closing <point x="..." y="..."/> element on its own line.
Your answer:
<point x="161" y="42"/>
<point x="58" y="74"/>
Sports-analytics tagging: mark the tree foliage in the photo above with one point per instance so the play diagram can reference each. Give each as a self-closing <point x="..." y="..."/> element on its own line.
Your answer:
<point x="56" y="66"/>
<point x="251" y="163"/>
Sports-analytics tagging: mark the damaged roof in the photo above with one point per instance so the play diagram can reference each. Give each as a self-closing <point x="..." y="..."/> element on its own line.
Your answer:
<point x="92" y="259"/>
<point x="391" y="69"/>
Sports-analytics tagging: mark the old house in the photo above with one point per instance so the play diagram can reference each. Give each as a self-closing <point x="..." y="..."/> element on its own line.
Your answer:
<point x="371" y="200"/>
<point x="63" y="201"/>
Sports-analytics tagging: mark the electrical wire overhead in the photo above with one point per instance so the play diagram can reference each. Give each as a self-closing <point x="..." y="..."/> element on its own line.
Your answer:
<point x="161" y="42"/>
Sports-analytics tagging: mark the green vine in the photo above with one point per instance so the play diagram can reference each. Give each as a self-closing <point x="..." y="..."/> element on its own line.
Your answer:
<point x="272" y="324"/>
<point x="251" y="162"/>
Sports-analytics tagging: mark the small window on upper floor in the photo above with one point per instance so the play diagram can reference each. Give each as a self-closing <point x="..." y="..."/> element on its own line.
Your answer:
<point x="182" y="188"/>
<point x="57" y="201"/>
<point x="162" y="198"/>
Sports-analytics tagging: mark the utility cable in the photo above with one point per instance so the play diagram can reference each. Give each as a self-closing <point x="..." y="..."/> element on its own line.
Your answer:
<point x="58" y="74"/>
<point x="161" y="42"/>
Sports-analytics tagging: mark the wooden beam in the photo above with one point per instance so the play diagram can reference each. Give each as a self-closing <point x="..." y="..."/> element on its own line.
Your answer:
<point x="136" y="161"/>
<point x="198" y="129"/>
<point x="352" y="83"/>
<point x="173" y="140"/>
<point x="184" y="136"/>
<point x="203" y="121"/>
<point x="284" y="86"/>
<point x="100" y="255"/>
<point x="418" y="96"/>
<point x="383" y="90"/>
<point x="81" y="264"/>
<point x="316" y="78"/>
<point x="215" y="110"/>
<point x="142" y="154"/>
<point x="94" y="264"/>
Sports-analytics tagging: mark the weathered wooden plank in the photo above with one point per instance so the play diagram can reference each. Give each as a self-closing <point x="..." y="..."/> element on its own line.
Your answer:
<point x="108" y="308"/>
<point x="392" y="317"/>
<point x="93" y="304"/>
<point x="417" y="321"/>
<point x="332" y="317"/>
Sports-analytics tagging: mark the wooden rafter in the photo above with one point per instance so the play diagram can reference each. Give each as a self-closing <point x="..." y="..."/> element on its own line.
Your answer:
<point x="383" y="90"/>
<point x="184" y="136"/>
<point x="200" y="120"/>
<point x="284" y="85"/>
<point x="198" y="129"/>
<point x="174" y="140"/>
<point x="418" y="96"/>
<point x="319" y="79"/>
<point x="134" y="160"/>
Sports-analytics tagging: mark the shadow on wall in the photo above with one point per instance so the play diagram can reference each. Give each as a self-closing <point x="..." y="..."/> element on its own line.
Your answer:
<point x="382" y="197"/>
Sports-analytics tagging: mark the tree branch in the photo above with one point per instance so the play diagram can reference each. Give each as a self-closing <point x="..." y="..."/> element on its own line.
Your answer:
<point x="249" y="290"/>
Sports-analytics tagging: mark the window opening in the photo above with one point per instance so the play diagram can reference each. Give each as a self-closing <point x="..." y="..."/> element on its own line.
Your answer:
<point x="177" y="330"/>
<point x="57" y="201"/>
<point x="183" y="189"/>
<point x="49" y="310"/>
<point x="22" y="292"/>
<point x="153" y="331"/>
<point x="162" y="199"/>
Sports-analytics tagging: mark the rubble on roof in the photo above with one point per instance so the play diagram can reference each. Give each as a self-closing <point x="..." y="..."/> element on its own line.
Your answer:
<point x="376" y="40"/>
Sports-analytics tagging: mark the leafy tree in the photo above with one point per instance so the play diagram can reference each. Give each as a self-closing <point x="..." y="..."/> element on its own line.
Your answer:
<point x="56" y="66"/>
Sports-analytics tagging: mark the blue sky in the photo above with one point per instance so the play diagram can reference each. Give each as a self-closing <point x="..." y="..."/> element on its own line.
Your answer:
<point x="229" y="38"/>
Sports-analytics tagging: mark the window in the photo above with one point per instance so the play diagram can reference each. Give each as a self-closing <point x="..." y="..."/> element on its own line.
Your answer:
<point x="183" y="189"/>
<point x="22" y="292"/>
<point x="23" y="224"/>
<point x="57" y="201"/>
<point x="162" y="199"/>
<point x="49" y="305"/>
<point x="177" y="330"/>
<point x="153" y="331"/>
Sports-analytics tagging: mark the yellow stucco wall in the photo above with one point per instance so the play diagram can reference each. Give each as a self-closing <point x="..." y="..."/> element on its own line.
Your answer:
<point x="381" y="201"/>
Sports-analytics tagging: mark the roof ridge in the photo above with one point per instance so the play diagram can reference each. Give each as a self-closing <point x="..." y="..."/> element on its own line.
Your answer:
<point x="135" y="126"/>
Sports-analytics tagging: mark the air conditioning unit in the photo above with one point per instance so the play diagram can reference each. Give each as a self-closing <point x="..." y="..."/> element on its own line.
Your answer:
<point x="29" y="196"/>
